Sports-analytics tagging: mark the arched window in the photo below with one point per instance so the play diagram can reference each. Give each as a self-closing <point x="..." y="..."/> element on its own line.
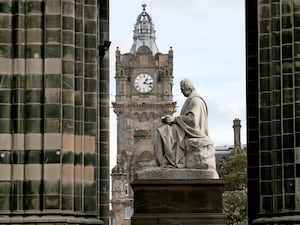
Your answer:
<point x="128" y="212"/>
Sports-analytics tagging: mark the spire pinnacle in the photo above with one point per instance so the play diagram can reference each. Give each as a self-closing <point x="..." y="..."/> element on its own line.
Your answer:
<point x="144" y="32"/>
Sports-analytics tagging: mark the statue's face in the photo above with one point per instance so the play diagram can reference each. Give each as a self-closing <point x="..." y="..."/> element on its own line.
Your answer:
<point x="186" y="91"/>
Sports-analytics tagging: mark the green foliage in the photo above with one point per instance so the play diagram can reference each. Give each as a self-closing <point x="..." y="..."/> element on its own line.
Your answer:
<point x="235" y="207"/>
<point x="234" y="172"/>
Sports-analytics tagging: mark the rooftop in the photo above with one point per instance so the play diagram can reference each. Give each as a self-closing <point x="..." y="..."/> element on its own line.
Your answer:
<point x="144" y="33"/>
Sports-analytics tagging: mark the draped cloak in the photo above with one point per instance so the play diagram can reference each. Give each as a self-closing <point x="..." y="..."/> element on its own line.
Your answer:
<point x="191" y="123"/>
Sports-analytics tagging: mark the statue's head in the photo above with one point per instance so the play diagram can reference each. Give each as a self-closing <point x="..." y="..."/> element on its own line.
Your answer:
<point x="187" y="87"/>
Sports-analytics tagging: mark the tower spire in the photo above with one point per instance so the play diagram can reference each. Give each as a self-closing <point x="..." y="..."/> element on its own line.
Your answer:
<point x="237" y="135"/>
<point x="144" y="32"/>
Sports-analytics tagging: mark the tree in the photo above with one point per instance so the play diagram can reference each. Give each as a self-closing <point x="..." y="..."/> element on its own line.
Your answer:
<point x="234" y="173"/>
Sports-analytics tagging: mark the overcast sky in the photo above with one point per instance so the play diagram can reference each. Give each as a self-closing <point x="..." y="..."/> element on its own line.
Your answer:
<point x="208" y="40"/>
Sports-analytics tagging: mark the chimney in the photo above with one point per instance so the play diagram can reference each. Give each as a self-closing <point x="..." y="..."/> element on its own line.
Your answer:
<point x="237" y="135"/>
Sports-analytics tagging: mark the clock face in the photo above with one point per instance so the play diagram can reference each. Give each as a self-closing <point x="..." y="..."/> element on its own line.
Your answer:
<point x="143" y="83"/>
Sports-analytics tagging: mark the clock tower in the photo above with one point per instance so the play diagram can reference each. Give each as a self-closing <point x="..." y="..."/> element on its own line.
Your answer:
<point x="144" y="81"/>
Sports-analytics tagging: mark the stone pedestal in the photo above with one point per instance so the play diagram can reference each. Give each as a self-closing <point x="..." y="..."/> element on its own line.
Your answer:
<point x="177" y="196"/>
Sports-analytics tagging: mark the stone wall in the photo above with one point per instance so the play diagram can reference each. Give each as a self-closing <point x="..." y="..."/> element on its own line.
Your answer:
<point x="49" y="108"/>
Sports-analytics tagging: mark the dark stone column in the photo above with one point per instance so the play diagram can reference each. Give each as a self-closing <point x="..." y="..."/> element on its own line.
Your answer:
<point x="49" y="112"/>
<point x="177" y="196"/>
<point x="104" y="104"/>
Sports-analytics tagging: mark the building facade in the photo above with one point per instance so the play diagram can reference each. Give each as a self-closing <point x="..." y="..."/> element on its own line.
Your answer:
<point x="144" y="81"/>
<point x="273" y="110"/>
<point x="54" y="112"/>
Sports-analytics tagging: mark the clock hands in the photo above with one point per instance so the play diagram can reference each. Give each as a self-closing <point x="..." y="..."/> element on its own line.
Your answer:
<point x="148" y="82"/>
<point x="143" y="83"/>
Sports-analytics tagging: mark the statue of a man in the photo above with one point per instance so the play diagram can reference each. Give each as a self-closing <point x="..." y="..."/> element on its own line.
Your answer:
<point x="183" y="141"/>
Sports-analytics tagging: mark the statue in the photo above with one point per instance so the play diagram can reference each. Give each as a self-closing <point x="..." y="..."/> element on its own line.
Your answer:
<point x="183" y="141"/>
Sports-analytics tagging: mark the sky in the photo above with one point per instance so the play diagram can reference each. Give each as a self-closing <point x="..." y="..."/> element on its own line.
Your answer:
<point x="208" y="40"/>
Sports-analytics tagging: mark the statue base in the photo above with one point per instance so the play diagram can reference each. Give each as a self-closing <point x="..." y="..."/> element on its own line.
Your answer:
<point x="184" y="196"/>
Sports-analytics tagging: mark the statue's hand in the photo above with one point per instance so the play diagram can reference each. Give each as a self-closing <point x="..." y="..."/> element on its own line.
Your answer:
<point x="168" y="119"/>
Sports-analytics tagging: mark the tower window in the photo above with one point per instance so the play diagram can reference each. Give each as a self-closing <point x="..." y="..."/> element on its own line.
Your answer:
<point x="128" y="141"/>
<point x="128" y="123"/>
<point x="128" y="212"/>
<point x="126" y="189"/>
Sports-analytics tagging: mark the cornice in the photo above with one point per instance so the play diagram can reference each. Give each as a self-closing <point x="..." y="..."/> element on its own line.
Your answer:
<point x="123" y="108"/>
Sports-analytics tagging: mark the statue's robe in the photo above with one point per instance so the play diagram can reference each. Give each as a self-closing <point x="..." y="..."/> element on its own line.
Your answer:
<point x="169" y="143"/>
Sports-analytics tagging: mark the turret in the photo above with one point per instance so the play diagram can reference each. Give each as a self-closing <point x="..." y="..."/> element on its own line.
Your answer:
<point x="237" y="135"/>
<point x="144" y="33"/>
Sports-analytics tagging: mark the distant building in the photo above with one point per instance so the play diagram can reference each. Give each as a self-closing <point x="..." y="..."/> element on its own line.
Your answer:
<point x="237" y="135"/>
<point x="273" y="111"/>
<point x="224" y="152"/>
<point x="54" y="112"/>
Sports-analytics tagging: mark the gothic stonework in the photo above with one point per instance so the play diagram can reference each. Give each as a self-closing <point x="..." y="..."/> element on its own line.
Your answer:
<point x="144" y="81"/>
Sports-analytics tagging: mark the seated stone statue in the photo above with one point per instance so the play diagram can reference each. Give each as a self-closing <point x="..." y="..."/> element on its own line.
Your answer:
<point x="183" y="141"/>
